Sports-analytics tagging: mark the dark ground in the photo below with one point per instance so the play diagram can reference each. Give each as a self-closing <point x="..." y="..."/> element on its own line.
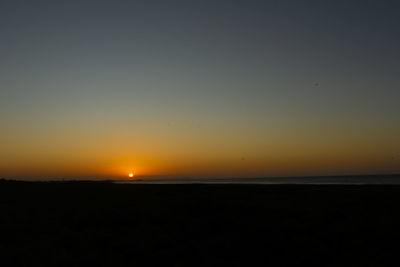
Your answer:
<point x="104" y="224"/>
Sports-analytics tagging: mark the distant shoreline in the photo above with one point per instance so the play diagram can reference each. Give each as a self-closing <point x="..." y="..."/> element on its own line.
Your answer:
<point x="386" y="179"/>
<point x="317" y="180"/>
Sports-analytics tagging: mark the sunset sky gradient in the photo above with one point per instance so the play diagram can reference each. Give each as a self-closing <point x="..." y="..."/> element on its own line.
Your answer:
<point x="173" y="89"/>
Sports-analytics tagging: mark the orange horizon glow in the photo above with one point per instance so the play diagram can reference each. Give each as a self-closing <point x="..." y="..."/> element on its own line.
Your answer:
<point x="112" y="150"/>
<point x="204" y="167"/>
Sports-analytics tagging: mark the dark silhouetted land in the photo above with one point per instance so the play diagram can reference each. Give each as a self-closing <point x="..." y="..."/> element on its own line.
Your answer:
<point x="106" y="224"/>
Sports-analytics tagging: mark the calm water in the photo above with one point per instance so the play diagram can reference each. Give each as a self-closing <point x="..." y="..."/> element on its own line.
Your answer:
<point x="365" y="179"/>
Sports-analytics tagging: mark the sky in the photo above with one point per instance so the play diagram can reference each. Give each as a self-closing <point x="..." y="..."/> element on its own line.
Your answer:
<point x="182" y="89"/>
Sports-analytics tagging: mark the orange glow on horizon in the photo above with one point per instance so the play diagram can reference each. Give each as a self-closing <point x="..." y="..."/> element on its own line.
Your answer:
<point x="194" y="156"/>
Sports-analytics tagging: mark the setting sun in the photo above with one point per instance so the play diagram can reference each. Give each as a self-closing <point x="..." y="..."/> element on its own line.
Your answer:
<point x="131" y="175"/>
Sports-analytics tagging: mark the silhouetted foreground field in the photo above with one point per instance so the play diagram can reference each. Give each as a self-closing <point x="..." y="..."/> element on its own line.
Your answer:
<point x="104" y="224"/>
